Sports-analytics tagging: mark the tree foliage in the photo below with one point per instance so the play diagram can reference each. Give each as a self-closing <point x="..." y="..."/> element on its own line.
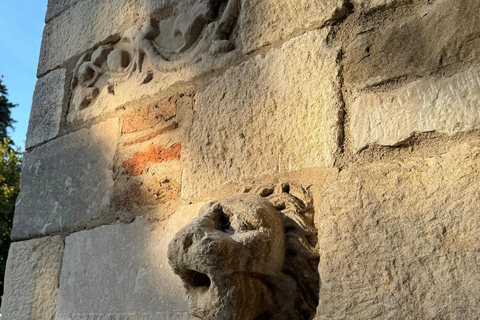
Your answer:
<point x="10" y="166"/>
<point x="5" y="112"/>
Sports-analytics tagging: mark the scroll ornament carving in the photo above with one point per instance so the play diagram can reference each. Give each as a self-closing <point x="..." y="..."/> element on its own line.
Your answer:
<point x="193" y="32"/>
<point x="251" y="256"/>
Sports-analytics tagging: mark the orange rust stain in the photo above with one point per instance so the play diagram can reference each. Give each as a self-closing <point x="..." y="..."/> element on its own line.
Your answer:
<point x="150" y="115"/>
<point x="139" y="161"/>
<point x="152" y="135"/>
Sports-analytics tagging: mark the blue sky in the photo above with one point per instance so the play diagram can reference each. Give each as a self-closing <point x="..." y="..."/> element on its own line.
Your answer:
<point x="21" y="27"/>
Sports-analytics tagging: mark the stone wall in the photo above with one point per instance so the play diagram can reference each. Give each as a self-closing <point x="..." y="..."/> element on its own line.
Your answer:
<point x="146" y="110"/>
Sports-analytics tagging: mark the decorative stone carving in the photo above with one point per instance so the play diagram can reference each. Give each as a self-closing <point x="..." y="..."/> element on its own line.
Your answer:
<point x="191" y="33"/>
<point x="251" y="256"/>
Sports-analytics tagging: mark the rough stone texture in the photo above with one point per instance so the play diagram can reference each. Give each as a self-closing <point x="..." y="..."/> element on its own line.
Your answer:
<point x="151" y="115"/>
<point x="442" y="34"/>
<point x="148" y="165"/>
<point x="66" y="182"/>
<point x="154" y="192"/>
<point x="398" y="227"/>
<point x="401" y="240"/>
<point x="155" y="154"/>
<point x="54" y="7"/>
<point x="282" y="116"/>
<point x="131" y="92"/>
<point x="121" y="272"/>
<point x="83" y="25"/>
<point x="447" y="105"/>
<point x="266" y="22"/>
<point x="149" y="193"/>
<point x="371" y="5"/>
<point x="47" y="106"/>
<point x="31" y="279"/>
<point x="152" y="135"/>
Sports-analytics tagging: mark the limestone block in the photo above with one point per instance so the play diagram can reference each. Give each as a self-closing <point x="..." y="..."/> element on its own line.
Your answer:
<point x="448" y="105"/>
<point x="46" y="112"/>
<point x="122" y="272"/>
<point x="66" y="182"/>
<point x="54" y="7"/>
<point x="401" y="240"/>
<point x="31" y="279"/>
<point x="266" y="22"/>
<point x="441" y="34"/>
<point x="271" y="114"/>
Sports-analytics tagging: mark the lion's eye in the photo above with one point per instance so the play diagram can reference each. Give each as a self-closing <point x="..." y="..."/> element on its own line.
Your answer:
<point x="223" y="224"/>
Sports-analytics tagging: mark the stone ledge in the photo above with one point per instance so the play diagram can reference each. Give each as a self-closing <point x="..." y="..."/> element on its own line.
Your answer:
<point x="448" y="105"/>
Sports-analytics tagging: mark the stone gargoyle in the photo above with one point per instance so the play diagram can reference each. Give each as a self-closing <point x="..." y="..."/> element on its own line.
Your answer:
<point x="251" y="256"/>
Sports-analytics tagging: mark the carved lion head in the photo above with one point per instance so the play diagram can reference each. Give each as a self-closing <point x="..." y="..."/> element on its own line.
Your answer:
<point x="250" y="256"/>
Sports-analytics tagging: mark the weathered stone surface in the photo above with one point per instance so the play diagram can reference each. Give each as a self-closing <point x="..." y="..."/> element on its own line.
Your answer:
<point x="447" y="105"/>
<point x="82" y="26"/>
<point x="401" y="240"/>
<point x="148" y="166"/>
<point x="266" y="22"/>
<point x="151" y="115"/>
<point x="152" y="135"/>
<point x="66" y="182"/>
<point x="109" y="98"/>
<point x="31" y="279"/>
<point x="54" y="7"/>
<point x="399" y="228"/>
<point x="271" y="114"/>
<point x="250" y="256"/>
<point x="370" y="5"/>
<point x="47" y="106"/>
<point x="443" y="33"/>
<point x="153" y="192"/>
<point x="122" y="272"/>
<point x="155" y="154"/>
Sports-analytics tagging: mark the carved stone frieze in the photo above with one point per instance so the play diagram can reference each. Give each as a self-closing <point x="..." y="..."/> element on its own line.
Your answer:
<point x="251" y="256"/>
<point x="190" y="34"/>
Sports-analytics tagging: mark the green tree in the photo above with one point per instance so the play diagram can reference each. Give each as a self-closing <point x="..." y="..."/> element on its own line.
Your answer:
<point x="5" y="112"/>
<point x="10" y="166"/>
